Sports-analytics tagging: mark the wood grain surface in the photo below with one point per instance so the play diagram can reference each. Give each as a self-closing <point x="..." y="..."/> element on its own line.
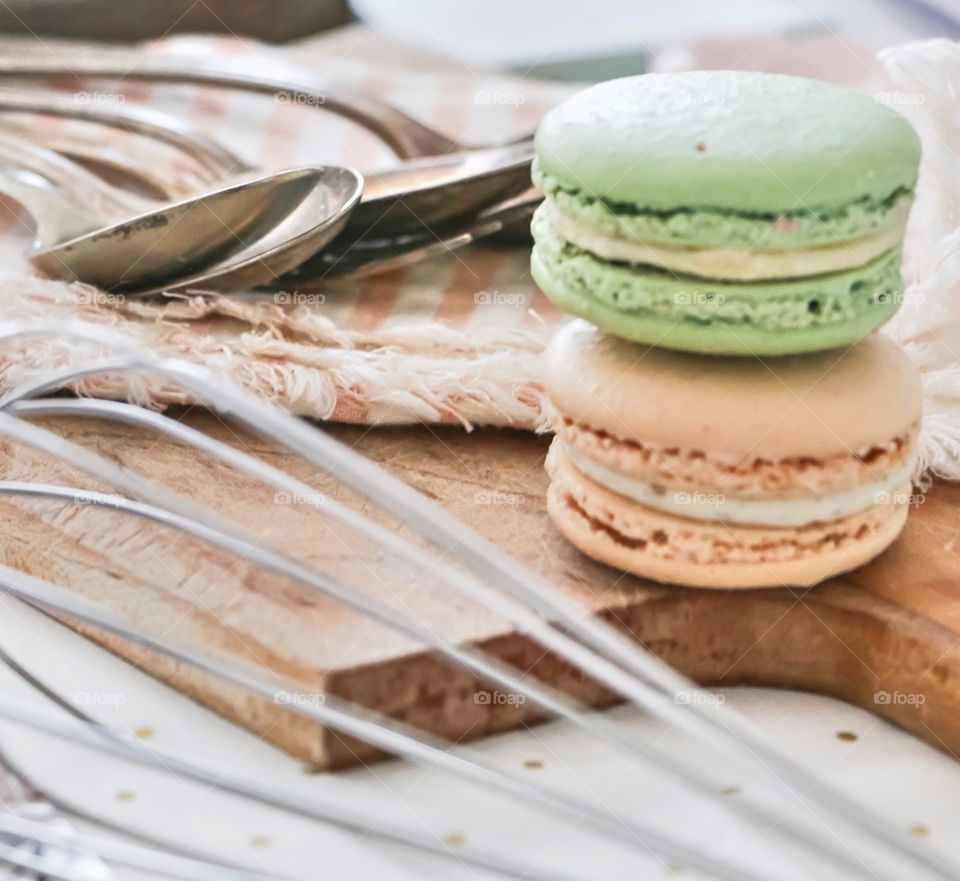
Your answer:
<point x="886" y="638"/>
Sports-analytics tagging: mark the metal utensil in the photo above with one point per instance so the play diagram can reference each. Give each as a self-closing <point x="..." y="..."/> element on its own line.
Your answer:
<point x="483" y="574"/>
<point x="407" y="137"/>
<point x="64" y="199"/>
<point x="235" y="236"/>
<point x="414" y="197"/>
<point x="387" y="734"/>
<point x="200" y="158"/>
<point x="57" y="848"/>
<point x="69" y="202"/>
<point x="408" y="198"/>
<point x="330" y="812"/>
<point x="422" y="194"/>
<point x="452" y="180"/>
<point x="306" y="230"/>
<point x="361" y="258"/>
<point x="90" y="733"/>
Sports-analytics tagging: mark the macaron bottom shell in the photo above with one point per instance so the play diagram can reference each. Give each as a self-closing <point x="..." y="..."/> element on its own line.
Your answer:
<point x="646" y="305"/>
<point x="675" y="550"/>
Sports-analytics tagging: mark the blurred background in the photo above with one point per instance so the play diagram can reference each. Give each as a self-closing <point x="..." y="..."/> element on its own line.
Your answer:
<point x="575" y="39"/>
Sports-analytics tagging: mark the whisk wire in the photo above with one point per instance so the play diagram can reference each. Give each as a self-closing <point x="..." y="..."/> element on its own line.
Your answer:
<point x="530" y="603"/>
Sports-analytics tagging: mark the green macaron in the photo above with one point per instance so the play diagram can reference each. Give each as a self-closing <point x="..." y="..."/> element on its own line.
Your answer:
<point x="724" y="212"/>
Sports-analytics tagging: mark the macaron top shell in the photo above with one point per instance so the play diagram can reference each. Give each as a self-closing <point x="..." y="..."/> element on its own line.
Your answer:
<point x="837" y="402"/>
<point x="736" y="141"/>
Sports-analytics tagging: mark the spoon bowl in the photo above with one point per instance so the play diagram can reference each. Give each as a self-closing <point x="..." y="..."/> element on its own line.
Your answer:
<point x="423" y="199"/>
<point x="359" y="260"/>
<point x="424" y="193"/>
<point x="249" y="230"/>
<point x="316" y="221"/>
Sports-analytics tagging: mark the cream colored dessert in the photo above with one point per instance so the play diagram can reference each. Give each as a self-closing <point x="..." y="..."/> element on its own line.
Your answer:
<point x="731" y="263"/>
<point x="734" y="472"/>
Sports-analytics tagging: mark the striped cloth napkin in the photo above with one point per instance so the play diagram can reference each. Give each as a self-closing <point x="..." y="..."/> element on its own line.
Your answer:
<point x="452" y="340"/>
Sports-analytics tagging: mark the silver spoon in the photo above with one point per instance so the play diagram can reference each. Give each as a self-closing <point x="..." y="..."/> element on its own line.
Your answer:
<point x="237" y="236"/>
<point x="64" y="199"/>
<point x="361" y="259"/>
<point x="442" y="178"/>
<point x="407" y="198"/>
<point x="64" y="205"/>
<point x="403" y="199"/>
<point x="403" y="134"/>
<point x="424" y="194"/>
<point x="308" y="228"/>
<point x="208" y="159"/>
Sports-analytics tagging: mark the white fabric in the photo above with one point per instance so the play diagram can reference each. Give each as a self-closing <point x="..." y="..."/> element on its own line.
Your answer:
<point x="909" y="783"/>
<point x="925" y="80"/>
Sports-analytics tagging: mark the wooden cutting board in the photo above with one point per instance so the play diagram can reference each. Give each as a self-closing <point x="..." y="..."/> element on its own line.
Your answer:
<point x="886" y="638"/>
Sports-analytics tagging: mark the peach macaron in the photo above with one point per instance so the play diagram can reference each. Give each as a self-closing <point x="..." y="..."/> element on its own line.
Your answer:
<point x="732" y="472"/>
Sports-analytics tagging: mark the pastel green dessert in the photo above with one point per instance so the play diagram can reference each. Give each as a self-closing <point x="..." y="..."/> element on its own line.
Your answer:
<point x="726" y="212"/>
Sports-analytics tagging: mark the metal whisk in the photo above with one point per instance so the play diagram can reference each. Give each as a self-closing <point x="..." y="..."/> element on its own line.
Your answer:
<point x="857" y="845"/>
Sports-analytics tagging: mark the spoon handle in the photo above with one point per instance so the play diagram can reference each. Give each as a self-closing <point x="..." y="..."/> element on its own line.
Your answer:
<point x="209" y="155"/>
<point x="64" y="199"/>
<point x="360" y="261"/>
<point x="403" y="134"/>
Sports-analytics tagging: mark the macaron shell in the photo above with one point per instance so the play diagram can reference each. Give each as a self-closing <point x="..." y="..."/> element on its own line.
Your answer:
<point x="712" y="338"/>
<point x="834" y="403"/>
<point x="662" y="547"/>
<point x="733" y="140"/>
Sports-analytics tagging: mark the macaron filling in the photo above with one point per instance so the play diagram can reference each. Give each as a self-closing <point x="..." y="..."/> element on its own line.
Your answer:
<point x="712" y="228"/>
<point x="652" y="544"/>
<point x="745" y="511"/>
<point x="724" y="263"/>
<point x="739" y="475"/>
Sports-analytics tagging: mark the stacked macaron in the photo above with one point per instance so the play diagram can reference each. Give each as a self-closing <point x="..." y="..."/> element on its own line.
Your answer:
<point x="752" y="216"/>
